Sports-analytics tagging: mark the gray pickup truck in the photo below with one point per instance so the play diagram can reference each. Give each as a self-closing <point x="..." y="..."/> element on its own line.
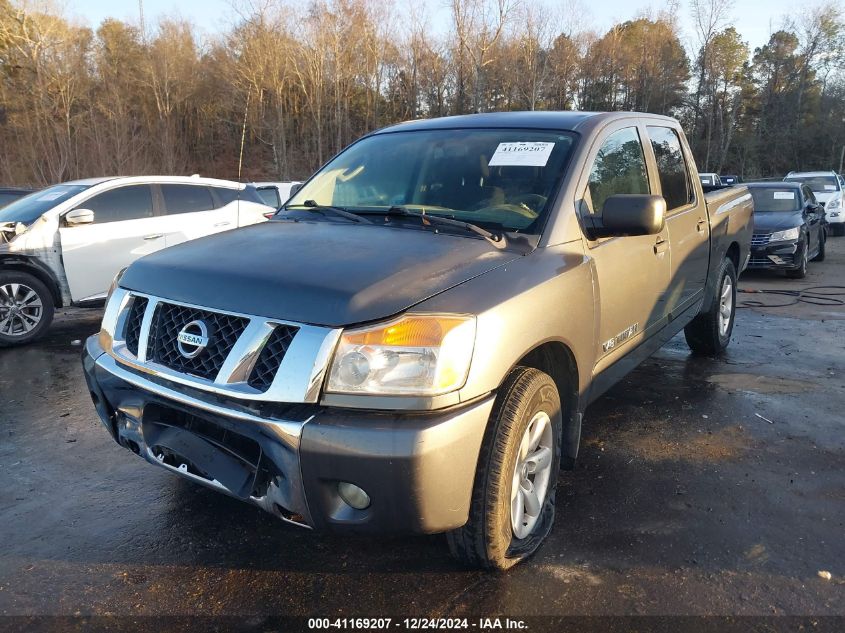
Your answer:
<point x="411" y="343"/>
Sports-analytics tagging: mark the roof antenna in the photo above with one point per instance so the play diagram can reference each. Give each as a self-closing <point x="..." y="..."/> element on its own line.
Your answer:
<point x="241" y="154"/>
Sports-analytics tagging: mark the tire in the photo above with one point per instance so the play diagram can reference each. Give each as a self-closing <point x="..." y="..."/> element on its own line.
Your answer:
<point x="822" y="246"/>
<point x="26" y="308"/>
<point x="489" y="540"/>
<point x="801" y="271"/>
<point x="707" y="333"/>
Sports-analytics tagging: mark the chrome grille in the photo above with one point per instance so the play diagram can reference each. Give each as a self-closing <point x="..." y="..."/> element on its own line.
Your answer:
<point x="132" y="333"/>
<point x="169" y="319"/>
<point x="760" y="239"/>
<point x="271" y="357"/>
<point x="244" y="354"/>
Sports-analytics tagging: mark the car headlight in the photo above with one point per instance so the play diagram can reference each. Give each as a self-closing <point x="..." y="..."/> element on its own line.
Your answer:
<point x="416" y="354"/>
<point x="115" y="283"/>
<point x="833" y="204"/>
<point x="788" y="234"/>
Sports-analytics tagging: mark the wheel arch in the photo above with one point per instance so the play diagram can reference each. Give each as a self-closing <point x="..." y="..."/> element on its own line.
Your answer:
<point x="24" y="265"/>
<point x="556" y="359"/>
<point x="733" y="254"/>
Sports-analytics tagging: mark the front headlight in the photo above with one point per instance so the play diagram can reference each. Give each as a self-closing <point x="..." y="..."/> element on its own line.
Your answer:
<point x="114" y="284"/>
<point x="789" y="234"/>
<point x="833" y="204"/>
<point x="416" y="354"/>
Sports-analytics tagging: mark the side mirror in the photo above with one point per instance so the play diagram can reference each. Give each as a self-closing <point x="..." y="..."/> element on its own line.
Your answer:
<point x="630" y="214"/>
<point x="294" y="189"/>
<point x="79" y="216"/>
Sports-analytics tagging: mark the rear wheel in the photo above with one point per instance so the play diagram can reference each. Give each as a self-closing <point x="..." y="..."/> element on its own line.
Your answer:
<point x="26" y="308"/>
<point x="710" y="332"/>
<point x="513" y="499"/>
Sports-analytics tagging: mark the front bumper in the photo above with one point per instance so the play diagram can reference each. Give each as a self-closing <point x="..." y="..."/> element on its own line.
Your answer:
<point x="417" y="468"/>
<point x="777" y="255"/>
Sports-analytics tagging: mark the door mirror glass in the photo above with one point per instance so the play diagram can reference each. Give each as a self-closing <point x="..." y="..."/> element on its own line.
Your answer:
<point x="79" y="216"/>
<point x="631" y="214"/>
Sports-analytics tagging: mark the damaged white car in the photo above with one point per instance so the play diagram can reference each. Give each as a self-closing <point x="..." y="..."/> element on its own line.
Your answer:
<point x="64" y="244"/>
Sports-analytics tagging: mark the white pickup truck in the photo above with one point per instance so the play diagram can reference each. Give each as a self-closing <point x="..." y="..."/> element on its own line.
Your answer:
<point x="63" y="245"/>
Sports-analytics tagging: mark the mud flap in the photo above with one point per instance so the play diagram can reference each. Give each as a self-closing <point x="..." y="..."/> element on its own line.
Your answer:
<point x="571" y="441"/>
<point x="236" y="476"/>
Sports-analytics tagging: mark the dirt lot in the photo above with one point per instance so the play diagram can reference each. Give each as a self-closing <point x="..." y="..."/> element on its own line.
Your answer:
<point x="704" y="487"/>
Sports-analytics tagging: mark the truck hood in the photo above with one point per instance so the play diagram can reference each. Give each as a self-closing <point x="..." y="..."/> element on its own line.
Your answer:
<point x="771" y="221"/>
<point x="321" y="273"/>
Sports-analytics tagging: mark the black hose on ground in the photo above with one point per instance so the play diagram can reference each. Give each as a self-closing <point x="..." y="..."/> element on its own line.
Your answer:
<point x="815" y="295"/>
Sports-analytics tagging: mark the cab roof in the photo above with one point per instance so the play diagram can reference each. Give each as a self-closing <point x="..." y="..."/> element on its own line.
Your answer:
<point x="195" y="180"/>
<point x="570" y="120"/>
<point x="774" y="184"/>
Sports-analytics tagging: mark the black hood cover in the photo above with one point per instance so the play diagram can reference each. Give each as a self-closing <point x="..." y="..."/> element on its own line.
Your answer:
<point x="771" y="221"/>
<point x="322" y="273"/>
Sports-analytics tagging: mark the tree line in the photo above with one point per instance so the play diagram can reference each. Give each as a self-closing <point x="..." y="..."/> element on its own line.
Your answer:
<point x="292" y="83"/>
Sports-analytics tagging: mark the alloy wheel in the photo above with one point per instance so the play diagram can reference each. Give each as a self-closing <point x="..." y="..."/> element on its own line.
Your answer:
<point x="20" y="309"/>
<point x="531" y="475"/>
<point x="726" y="303"/>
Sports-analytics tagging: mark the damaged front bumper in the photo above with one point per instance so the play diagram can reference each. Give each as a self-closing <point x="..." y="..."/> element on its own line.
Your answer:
<point x="777" y="255"/>
<point x="417" y="468"/>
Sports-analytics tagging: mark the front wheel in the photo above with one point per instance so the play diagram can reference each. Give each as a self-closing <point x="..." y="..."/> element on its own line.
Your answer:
<point x="513" y="498"/>
<point x="710" y="332"/>
<point x="26" y="308"/>
<point x="801" y="271"/>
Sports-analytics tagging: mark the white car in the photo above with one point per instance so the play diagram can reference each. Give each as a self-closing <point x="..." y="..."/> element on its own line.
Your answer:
<point x="275" y="194"/>
<point x="710" y="179"/>
<point x="829" y="189"/>
<point x="63" y="245"/>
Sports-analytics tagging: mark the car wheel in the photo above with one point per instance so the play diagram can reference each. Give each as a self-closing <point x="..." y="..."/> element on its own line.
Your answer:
<point x="513" y="498"/>
<point x="710" y="332"/>
<point x="822" y="242"/>
<point x="801" y="271"/>
<point x="26" y="308"/>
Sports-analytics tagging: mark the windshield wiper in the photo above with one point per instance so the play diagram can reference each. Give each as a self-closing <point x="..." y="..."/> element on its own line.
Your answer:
<point x="497" y="240"/>
<point x="310" y="205"/>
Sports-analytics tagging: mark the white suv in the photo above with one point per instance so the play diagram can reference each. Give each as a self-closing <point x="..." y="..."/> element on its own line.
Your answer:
<point x="64" y="244"/>
<point x="828" y="188"/>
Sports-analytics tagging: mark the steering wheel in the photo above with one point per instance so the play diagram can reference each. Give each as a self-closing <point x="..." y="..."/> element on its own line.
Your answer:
<point x="531" y="202"/>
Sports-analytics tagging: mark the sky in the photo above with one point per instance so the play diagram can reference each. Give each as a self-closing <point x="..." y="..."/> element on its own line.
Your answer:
<point x="754" y="19"/>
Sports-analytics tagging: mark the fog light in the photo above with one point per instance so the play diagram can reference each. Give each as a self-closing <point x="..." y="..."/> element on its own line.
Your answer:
<point x="353" y="495"/>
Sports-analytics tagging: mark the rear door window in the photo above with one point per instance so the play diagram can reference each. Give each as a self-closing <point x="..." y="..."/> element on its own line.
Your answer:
<point x="186" y="198"/>
<point x="225" y="195"/>
<point x="132" y="202"/>
<point x="618" y="168"/>
<point x="671" y="166"/>
<point x="270" y="196"/>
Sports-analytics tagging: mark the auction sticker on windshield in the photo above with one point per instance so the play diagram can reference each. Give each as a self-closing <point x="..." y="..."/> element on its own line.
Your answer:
<point x="784" y="195"/>
<point x="522" y="154"/>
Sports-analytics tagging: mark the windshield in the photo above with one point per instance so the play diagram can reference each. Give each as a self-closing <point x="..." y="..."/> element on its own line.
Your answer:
<point x="29" y="208"/>
<point x="819" y="184"/>
<point x="498" y="179"/>
<point x="773" y="199"/>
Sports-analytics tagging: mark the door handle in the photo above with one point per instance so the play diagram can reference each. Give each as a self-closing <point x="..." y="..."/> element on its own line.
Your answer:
<point x="222" y="224"/>
<point x="700" y="225"/>
<point x="154" y="236"/>
<point x="661" y="246"/>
